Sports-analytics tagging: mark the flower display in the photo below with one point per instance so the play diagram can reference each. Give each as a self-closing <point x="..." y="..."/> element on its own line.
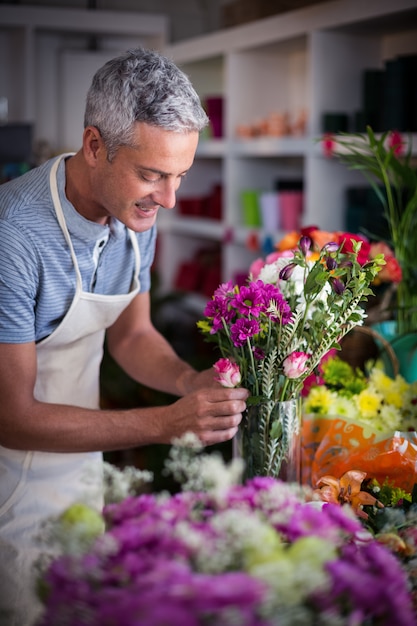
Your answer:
<point x="295" y="306"/>
<point x="387" y="512"/>
<point x="254" y="554"/>
<point x="375" y="400"/>
<point x="355" y="420"/>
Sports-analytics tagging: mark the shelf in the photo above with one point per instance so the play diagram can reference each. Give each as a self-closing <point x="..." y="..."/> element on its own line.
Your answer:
<point x="272" y="147"/>
<point x="212" y="148"/>
<point x="53" y="62"/>
<point x="310" y="59"/>
<point x="192" y="226"/>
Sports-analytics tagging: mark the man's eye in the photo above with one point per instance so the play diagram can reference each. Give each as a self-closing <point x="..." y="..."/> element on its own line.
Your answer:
<point x="150" y="178"/>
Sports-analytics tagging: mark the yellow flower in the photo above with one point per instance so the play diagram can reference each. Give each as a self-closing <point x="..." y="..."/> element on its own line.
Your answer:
<point x="392" y="390"/>
<point x="319" y="401"/>
<point x="368" y="402"/>
<point x="394" y="396"/>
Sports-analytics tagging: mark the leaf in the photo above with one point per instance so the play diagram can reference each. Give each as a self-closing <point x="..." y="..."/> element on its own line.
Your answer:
<point x="268" y="374"/>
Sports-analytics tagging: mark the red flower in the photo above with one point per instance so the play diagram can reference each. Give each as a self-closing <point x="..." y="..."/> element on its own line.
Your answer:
<point x="391" y="272"/>
<point x="396" y="142"/>
<point x="346" y="239"/>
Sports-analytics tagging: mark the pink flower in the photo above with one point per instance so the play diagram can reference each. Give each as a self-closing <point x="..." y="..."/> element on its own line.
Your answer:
<point x="396" y="143"/>
<point x="228" y="373"/>
<point x="258" y="264"/>
<point x="256" y="267"/>
<point x="295" y="364"/>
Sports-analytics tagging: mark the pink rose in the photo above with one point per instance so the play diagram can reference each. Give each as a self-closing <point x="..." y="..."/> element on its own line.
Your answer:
<point x="295" y="364"/>
<point x="228" y="373"/>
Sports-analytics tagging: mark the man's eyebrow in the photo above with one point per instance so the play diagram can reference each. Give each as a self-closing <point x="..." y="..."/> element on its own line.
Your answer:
<point x="160" y="172"/>
<point x="153" y="170"/>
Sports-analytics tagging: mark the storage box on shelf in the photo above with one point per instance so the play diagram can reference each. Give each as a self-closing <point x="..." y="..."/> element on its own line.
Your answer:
<point x="278" y="77"/>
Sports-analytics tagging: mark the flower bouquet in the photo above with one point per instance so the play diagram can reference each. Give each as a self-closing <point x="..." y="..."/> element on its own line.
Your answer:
<point x="273" y="331"/>
<point x="222" y="553"/>
<point x="353" y="421"/>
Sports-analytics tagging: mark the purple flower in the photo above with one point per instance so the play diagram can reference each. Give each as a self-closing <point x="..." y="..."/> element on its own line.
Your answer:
<point x="242" y="330"/>
<point x="331" y="246"/>
<point x="218" y="309"/>
<point x="258" y="353"/>
<point x="305" y="245"/>
<point x="287" y="271"/>
<point x="272" y="294"/>
<point x="337" y="286"/>
<point x="370" y="579"/>
<point x="249" y="301"/>
<point x="331" y="263"/>
<point x="144" y="569"/>
<point x="225" y="290"/>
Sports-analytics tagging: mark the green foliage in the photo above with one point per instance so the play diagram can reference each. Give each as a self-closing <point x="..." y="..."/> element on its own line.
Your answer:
<point x="381" y="161"/>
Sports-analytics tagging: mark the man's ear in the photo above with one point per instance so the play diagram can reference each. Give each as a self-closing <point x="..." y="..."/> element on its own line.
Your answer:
<point x="92" y="144"/>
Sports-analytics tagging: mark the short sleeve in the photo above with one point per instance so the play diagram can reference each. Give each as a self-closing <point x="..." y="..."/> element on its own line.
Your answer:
<point x="18" y="285"/>
<point x="147" y="242"/>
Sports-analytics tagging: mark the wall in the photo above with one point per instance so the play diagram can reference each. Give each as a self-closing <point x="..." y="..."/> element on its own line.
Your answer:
<point x="187" y="18"/>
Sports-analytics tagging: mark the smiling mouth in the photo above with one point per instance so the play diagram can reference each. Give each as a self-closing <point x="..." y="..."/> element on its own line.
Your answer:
<point x="145" y="209"/>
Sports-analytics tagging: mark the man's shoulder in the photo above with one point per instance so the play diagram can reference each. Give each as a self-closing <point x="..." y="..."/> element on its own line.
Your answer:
<point x="26" y="193"/>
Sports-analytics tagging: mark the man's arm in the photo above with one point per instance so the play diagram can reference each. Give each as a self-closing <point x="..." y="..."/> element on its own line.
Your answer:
<point x="144" y="354"/>
<point x="212" y="412"/>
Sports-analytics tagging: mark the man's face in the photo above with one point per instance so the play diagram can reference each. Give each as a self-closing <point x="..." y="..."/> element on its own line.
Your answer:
<point x="141" y="179"/>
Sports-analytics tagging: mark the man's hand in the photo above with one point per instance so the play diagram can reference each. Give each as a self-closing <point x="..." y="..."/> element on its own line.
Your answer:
<point x="212" y="413"/>
<point x="193" y="381"/>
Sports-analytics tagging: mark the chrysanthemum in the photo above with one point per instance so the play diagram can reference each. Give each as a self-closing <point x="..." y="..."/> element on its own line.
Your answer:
<point x="242" y="330"/>
<point x="249" y="301"/>
<point x="319" y="401"/>
<point x="368" y="402"/>
<point x="342" y="406"/>
<point x="379" y="379"/>
<point x="392" y="390"/>
<point x="389" y="418"/>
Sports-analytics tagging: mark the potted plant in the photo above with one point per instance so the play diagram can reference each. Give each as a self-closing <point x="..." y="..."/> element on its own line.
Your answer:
<point x="387" y="164"/>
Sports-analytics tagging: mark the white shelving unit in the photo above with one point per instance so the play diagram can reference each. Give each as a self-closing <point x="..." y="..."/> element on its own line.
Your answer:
<point x="50" y="54"/>
<point x="311" y="58"/>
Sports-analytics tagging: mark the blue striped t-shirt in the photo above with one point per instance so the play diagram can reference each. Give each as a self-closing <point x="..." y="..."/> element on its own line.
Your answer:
<point x="37" y="277"/>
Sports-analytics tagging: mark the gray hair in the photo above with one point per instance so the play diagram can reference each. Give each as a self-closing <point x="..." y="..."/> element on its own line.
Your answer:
<point x="141" y="86"/>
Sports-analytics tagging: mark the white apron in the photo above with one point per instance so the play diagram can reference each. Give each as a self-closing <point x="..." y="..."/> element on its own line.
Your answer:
<point x="37" y="485"/>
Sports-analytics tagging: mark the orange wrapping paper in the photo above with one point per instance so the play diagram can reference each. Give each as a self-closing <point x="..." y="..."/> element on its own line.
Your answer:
<point x="332" y="445"/>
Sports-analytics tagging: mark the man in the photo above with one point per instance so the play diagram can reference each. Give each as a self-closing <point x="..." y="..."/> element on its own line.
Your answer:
<point x="77" y="238"/>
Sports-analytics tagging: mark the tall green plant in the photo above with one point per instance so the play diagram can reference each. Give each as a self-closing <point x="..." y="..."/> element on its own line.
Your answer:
<point x="381" y="160"/>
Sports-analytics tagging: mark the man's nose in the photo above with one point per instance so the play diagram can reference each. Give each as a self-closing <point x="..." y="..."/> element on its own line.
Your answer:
<point x="165" y="195"/>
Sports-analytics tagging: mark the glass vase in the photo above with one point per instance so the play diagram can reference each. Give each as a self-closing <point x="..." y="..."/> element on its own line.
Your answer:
<point x="269" y="440"/>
